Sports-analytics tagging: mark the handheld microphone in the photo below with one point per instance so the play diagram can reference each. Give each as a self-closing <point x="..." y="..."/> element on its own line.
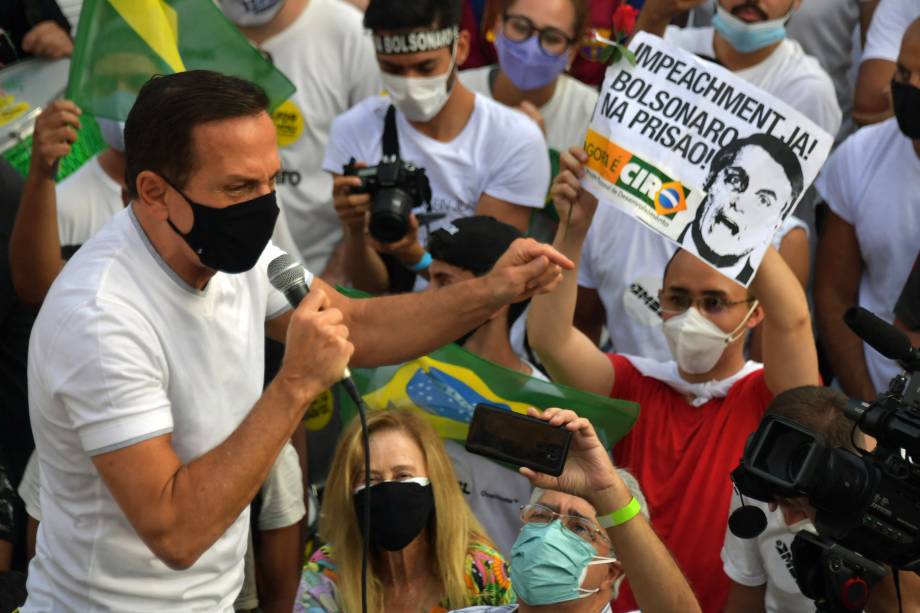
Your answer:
<point x="287" y="276"/>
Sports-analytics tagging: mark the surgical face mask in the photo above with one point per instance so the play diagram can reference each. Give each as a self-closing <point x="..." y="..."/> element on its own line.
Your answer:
<point x="230" y="239"/>
<point x="906" y="101"/>
<point x="747" y="37"/>
<point x="419" y="98"/>
<point x="526" y="64"/>
<point x="549" y="563"/>
<point x="113" y="133"/>
<point x="400" y="510"/>
<point x="697" y="343"/>
<point x="251" y="12"/>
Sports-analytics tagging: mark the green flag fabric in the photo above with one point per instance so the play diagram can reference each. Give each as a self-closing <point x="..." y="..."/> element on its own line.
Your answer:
<point x="122" y="43"/>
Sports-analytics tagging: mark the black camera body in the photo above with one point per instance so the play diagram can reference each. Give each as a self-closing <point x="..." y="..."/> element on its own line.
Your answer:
<point x="396" y="187"/>
<point x="868" y="505"/>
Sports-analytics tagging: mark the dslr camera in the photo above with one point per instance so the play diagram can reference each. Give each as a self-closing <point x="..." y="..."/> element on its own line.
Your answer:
<point x="868" y="504"/>
<point x="396" y="187"/>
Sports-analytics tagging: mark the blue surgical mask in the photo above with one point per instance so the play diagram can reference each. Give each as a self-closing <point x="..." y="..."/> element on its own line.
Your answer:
<point x="549" y="563"/>
<point x="747" y="37"/>
<point x="526" y="64"/>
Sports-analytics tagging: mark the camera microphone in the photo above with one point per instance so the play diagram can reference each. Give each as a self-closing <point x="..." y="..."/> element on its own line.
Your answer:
<point x="287" y="276"/>
<point x="882" y="336"/>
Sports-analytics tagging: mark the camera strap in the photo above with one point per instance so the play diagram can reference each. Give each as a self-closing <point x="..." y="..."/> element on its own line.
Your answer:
<point x="390" y="137"/>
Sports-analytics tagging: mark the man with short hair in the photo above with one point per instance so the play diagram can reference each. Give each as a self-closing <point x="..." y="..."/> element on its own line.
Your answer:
<point x="699" y="408"/>
<point x="479" y="156"/>
<point x="332" y="73"/>
<point x="868" y="243"/>
<point x="746" y="202"/>
<point x="152" y="428"/>
<point x="761" y="569"/>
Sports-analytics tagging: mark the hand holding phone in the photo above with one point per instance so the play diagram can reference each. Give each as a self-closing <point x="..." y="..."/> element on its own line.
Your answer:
<point x="522" y="440"/>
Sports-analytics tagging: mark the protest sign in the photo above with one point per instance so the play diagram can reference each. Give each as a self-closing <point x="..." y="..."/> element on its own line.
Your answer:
<point x="700" y="155"/>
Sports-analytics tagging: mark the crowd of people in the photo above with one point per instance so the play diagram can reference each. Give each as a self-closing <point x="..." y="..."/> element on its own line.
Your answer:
<point x="154" y="454"/>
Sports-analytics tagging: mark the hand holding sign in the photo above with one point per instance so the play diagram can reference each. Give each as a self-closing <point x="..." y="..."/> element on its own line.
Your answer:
<point x="700" y="155"/>
<point x="574" y="204"/>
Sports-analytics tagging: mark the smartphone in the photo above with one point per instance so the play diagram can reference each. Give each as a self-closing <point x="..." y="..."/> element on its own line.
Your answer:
<point x="502" y="434"/>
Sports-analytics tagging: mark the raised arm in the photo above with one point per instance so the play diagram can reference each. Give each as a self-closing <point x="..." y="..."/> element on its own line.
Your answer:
<point x="789" y="354"/>
<point x="392" y="329"/>
<point x="35" y="245"/>
<point x="570" y="356"/>
<point x="590" y="474"/>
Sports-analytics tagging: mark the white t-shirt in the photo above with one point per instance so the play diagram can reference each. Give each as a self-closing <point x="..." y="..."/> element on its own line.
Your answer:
<point x="767" y="559"/>
<point x="86" y="200"/>
<point x="788" y="73"/>
<point x="327" y="54"/>
<point x="122" y="351"/>
<point x="28" y="488"/>
<point x="500" y="152"/>
<point x="565" y="117"/>
<point x="624" y="261"/>
<point x="870" y="182"/>
<point x="889" y="23"/>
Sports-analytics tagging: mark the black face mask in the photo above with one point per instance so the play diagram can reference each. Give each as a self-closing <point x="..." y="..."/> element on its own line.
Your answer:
<point x="906" y="99"/>
<point x="230" y="239"/>
<point x="399" y="512"/>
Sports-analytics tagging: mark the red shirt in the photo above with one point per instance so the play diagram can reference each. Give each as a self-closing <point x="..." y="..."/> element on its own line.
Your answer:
<point x="682" y="456"/>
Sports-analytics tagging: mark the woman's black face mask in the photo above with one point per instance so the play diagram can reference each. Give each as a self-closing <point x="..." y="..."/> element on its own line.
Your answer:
<point x="230" y="239"/>
<point x="399" y="512"/>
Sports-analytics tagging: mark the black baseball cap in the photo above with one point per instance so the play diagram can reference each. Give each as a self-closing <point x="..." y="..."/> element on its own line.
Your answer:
<point x="472" y="243"/>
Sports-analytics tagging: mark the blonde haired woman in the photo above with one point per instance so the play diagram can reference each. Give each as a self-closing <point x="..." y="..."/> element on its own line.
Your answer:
<point x="428" y="553"/>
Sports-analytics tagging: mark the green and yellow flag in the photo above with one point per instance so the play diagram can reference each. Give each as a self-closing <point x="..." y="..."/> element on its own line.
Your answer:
<point x="122" y="43"/>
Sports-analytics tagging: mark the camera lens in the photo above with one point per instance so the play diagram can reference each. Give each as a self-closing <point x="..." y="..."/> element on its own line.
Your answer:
<point x="390" y="214"/>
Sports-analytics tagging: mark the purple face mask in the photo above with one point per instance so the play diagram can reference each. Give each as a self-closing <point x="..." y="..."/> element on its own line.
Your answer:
<point x="526" y="64"/>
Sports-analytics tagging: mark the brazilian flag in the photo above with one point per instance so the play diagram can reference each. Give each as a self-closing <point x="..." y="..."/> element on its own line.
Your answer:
<point x="122" y="43"/>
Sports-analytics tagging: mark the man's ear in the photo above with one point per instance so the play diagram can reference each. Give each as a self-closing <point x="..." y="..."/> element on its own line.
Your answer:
<point x="756" y="317"/>
<point x="463" y="47"/>
<point x="614" y="572"/>
<point x="152" y="191"/>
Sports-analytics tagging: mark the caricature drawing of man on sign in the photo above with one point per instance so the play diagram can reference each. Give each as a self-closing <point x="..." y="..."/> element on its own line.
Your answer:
<point x="746" y="200"/>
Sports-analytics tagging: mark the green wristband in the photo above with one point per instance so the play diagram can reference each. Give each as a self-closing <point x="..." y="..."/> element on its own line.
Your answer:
<point x="620" y="516"/>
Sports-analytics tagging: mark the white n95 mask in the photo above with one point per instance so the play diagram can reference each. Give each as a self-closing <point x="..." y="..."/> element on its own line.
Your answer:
<point x="419" y="98"/>
<point x="697" y="343"/>
<point x="251" y="12"/>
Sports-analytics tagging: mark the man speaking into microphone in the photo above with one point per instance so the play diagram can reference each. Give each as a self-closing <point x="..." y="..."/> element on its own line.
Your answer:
<point x="146" y="360"/>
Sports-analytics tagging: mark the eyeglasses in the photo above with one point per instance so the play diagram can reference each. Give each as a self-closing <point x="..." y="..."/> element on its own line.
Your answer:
<point x="553" y="41"/>
<point x="674" y="302"/>
<point x="581" y="526"/>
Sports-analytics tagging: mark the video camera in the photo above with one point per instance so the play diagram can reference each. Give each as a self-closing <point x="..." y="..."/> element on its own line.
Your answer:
<point x="396" y="187"/>
<point x="868" y="505"/>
